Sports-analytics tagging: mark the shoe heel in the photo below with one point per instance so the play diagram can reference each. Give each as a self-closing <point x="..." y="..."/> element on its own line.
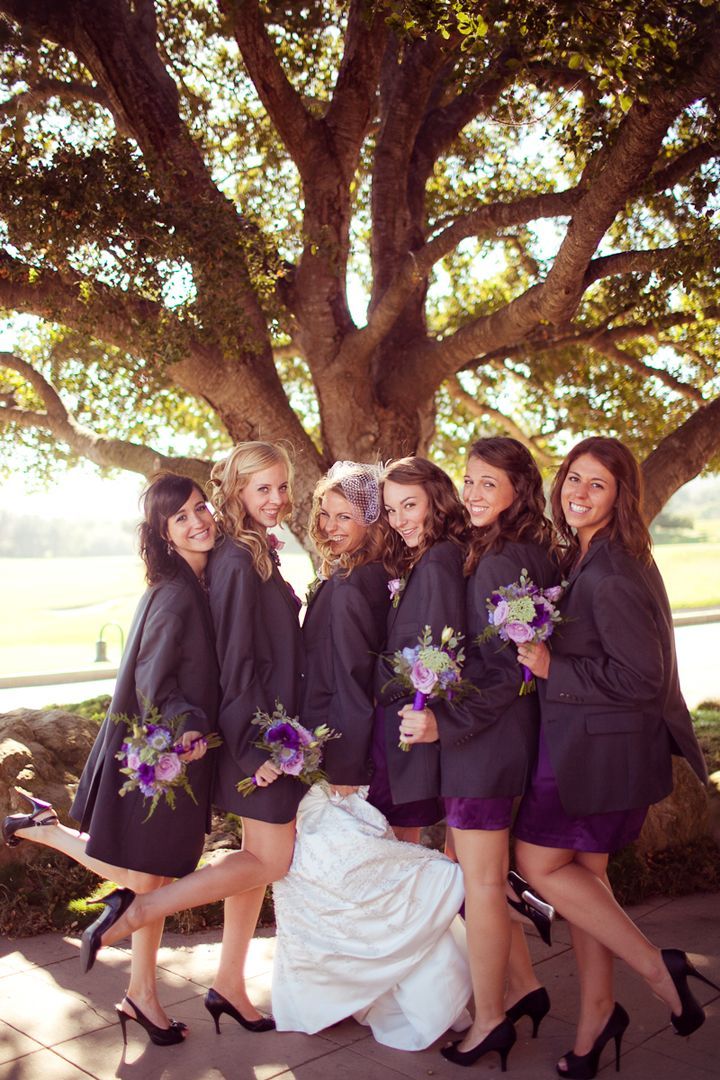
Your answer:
<point x="503" y="1058"/>
<point x="618" y="1043"/>
<point x="536" y="1022"/>
<point x="216" y="1012"/>
<point x="703" y="978"/>
<point x="123" y="1018"/>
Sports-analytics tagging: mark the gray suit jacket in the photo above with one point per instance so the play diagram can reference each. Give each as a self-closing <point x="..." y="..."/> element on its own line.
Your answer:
<point x="612" y="710"/>
<point x="169" y="662"/>
<point x="260" y="655"/>
<point x="434" y="596"/>
<point x="488" y="739"/>
<point x="344" y="632"/>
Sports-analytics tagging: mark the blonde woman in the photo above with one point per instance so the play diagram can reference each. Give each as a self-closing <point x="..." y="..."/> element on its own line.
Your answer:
<point x="259" y="647"/>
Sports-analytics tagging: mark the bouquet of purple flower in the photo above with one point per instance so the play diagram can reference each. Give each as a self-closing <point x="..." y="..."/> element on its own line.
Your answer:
<point x="150" y="756"/>
<point x="431" y="670"/>
<point x="522" y="612"/>
<point x="295" y="749"/>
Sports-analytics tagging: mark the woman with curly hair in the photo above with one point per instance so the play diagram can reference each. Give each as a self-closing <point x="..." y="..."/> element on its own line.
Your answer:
<point x="259" y="649"/>
<point x="425" y="535"/>
<point x="169" y="664"/>
<point x="362" y="920"/>
<point x="612" y="716"/>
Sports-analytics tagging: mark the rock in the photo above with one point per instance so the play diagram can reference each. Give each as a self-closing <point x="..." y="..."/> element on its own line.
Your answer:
<point x="43" y="753"/>
<point x="681" y="818"/>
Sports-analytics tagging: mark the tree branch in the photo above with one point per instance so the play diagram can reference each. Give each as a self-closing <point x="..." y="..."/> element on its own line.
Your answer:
<point x="604" y="344"/>
<point x="482" y="409"/>
<point x="103" y="451"/>
<point x="681" y="456"/>
<point x="44" y="89"/>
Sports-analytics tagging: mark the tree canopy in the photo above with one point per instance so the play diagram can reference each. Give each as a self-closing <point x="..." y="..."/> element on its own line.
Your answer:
<point x="365" y="228"/>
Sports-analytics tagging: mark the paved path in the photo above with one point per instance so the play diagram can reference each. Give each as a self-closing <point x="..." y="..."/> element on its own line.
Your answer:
<point x="56" y="1024"/>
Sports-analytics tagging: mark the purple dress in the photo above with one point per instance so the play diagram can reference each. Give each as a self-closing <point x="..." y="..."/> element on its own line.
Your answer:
<point x="541" y="819"/>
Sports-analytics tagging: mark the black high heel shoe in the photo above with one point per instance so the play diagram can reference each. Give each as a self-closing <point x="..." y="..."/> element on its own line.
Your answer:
<point x="116" y="904"/>
<point x="14" y="822"/>
<point x="536" y="1005"/>
<point x="168" y="1036"/>
<point x="679" y="967"/>
<point x="502" y="1038"/>
<point x="531" y="906"/>
<point x="585" y="1066"/>
<point x="216" y="1005"/>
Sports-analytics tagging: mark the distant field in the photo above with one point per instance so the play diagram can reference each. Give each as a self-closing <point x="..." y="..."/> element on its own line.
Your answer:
<point x="53" y="609"/>
<point x="691" y="573"/>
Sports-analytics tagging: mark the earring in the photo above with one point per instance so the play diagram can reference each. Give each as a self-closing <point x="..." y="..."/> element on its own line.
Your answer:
<point x="170" y="549"/>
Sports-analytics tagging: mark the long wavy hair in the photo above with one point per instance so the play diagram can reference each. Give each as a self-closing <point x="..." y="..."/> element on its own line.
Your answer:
<point x="627" y="525"/>
<point x="524" y="519"/>
<point x="228" y="480"/>
<point x="165" y="494"/>
<point x="371" y="549"/>
<point x="446" y="514"/>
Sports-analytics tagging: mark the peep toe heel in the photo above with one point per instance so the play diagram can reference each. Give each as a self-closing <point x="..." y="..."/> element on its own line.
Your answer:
<point x="585" y="1066"/>
<point x="169" y="1036"/>
<point x="14" y="822"/>
<point x="216" y="1005"/>
<point x="501" y="1039"/>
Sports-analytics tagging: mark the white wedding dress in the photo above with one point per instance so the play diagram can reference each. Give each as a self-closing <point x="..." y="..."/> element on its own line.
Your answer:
<point x="367" y="927"/>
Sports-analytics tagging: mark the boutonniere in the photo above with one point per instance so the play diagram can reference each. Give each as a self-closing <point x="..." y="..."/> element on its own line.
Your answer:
<point x="396" y="587"/>
<point x="275" y="546"/>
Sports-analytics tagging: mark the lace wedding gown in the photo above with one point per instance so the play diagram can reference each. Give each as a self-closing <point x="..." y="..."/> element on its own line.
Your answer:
<point x="367" y="927"/>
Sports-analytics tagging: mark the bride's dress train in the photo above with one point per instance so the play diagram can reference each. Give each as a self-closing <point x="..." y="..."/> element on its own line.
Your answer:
<point x="367" y="927"/>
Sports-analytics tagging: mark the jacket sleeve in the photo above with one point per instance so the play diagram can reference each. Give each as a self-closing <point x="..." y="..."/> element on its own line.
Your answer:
<point x="438" y="600"/>
<point x="234" y="597"/>
<point x="491" y="668"/>
<point x="156" y="671"/>
<point x="628" y="666"/>
<point x="354" y="647"/>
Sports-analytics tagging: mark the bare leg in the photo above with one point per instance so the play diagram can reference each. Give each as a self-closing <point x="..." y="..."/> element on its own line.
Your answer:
<point x="483" y="856"/>
<point x="241" y="915"/>
<point x="521" y="977"/>
<point x="585" y="899"/>
<point x="142" y="989"/>
<point x="73" y="844"/>
<point x="266" y="856"/>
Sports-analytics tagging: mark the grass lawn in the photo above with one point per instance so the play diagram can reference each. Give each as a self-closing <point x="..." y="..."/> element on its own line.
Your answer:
<point x="691" y="573"/>
<point x="53" y="609"/>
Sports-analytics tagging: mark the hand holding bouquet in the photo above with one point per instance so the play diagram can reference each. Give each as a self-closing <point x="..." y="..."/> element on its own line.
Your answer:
<point x="152" y="757"/>
<point x="294" y="749"/>
<point x="520" y="613"/>
<point x="431" y="670"/>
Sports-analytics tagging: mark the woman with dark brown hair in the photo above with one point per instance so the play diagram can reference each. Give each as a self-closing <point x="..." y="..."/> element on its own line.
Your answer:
<point x="259" y="650"/>
<point x="425" y="546"/>
<point x="169" y="663"/>
<point x="488" y="740"/>
<point x="612" y="716"/>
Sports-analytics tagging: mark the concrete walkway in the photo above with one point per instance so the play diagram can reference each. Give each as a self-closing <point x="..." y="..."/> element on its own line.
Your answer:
<point x="56" y="1024"/>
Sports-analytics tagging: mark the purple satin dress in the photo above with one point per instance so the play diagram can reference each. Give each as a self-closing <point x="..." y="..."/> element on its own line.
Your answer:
<point x="488" y="814"/>
<point x="541" y="819"/>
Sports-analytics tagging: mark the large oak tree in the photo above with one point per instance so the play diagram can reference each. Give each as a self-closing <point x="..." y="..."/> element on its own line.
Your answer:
<point x="195" y="195"/>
